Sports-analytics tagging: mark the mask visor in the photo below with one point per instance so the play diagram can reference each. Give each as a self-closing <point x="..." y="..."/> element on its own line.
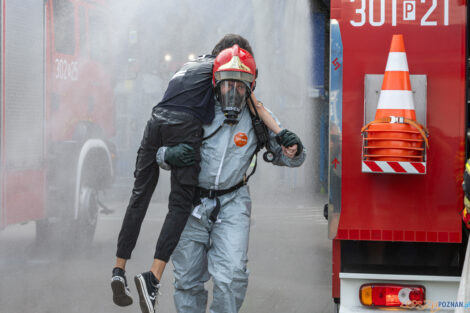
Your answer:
<point x="233" y="94"/>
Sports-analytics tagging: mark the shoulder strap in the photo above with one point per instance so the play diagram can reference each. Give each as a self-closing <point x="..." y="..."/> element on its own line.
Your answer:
<point x="258" y="148"/>
<point x="259" y="127"/>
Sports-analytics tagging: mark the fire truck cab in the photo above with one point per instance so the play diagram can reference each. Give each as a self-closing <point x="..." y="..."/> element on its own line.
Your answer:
<point x="57" y="115"/>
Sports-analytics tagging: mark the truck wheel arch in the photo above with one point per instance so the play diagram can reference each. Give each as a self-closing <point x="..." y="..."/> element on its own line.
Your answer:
<point x="94" y="161"/>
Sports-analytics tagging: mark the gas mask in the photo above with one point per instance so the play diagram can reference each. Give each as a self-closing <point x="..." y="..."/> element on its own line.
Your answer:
<point x="232" y="95"/>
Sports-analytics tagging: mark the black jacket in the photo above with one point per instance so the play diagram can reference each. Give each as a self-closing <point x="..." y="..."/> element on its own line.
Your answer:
<point x="190" y="90"/>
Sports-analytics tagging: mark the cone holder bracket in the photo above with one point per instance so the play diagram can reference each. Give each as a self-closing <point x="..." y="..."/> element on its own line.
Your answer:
<point x="372" y="87"/>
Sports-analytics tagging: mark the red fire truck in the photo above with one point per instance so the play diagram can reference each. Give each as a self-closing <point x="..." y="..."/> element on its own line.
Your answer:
<point x="57" y="115"/>
<point x="394" y="223"/>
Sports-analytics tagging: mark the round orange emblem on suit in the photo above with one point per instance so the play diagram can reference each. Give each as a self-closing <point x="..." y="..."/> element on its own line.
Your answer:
<point x="240" y="139"/>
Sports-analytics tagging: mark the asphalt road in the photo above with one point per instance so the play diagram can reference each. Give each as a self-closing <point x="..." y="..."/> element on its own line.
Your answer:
<point x="289" y="255"/>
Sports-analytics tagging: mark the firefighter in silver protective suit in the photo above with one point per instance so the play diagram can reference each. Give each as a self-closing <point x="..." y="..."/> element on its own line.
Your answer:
<point x="214" y="242"/>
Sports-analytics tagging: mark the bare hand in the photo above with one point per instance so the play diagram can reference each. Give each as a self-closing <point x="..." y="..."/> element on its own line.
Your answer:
<point x="254" y="102"/>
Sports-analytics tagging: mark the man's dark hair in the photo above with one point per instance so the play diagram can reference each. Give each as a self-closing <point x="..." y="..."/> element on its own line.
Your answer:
<point x="229" y="40"/>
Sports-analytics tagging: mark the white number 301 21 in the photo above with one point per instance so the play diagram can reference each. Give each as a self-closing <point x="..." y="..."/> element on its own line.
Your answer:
<point x="409" y="13"/>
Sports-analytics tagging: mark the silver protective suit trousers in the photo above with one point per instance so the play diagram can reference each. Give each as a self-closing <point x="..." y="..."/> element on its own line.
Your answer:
<point x="217" y="250"/>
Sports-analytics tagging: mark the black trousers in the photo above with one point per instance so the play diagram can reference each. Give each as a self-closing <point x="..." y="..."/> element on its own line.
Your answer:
<point x="165" y="128"/>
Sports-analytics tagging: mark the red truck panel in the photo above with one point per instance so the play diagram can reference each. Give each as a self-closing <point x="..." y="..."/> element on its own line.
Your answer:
<point x="388" y="207"/>
<point x="24" y="203"/>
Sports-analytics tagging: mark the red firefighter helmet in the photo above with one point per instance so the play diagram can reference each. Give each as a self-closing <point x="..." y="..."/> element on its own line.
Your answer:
<point x="234" y="63"/>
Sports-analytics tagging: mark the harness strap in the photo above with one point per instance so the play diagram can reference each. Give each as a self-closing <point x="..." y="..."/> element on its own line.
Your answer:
<point x="214" y="194"/>
<point x="215" y="211"/>
<point x="261" y="131"/>
<point x="246" y="178"/>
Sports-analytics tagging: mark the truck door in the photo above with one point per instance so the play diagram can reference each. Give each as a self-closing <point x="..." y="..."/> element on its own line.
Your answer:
<point x="22" y="115"/>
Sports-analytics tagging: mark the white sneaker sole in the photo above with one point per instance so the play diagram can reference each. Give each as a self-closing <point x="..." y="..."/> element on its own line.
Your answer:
<point x="145" y="303"/>
<point x="121" y="295"/>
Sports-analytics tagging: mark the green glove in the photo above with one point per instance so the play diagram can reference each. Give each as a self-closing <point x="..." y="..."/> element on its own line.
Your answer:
<point x="287" y="138"/>
<point x="180" y="155"/>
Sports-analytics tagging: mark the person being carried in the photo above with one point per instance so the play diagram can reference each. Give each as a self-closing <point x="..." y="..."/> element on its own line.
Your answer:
<point x="176" y="123"/>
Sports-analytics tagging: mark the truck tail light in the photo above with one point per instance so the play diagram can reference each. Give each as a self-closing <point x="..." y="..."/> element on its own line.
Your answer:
<point x="391" y="294"/>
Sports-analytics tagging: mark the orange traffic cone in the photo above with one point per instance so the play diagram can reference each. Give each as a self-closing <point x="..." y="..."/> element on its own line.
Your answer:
<point x="395" y="135"/>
